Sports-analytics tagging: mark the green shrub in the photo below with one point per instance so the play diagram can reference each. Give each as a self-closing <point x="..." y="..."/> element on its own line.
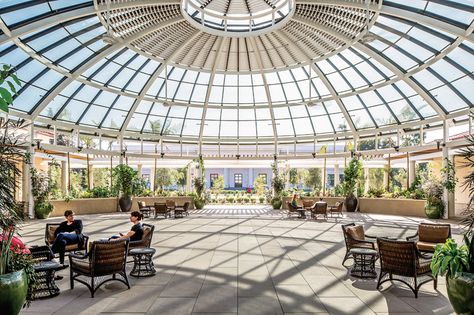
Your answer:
<point x="261" y="199"/>
<point x="43" y="209"/>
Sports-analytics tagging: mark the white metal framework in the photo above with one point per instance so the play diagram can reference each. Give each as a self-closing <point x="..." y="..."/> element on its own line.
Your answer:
<point x="318" y="71"/>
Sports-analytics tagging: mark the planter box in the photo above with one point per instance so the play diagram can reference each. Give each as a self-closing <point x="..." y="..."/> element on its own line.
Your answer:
<point x="405" y="207"/>
<point x="393" y="206"/>
<point x="107" y="205"/>
<point x="85" y="206"/>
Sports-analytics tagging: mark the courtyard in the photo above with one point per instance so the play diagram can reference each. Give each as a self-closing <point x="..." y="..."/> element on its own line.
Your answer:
<point x="245" y="260"/>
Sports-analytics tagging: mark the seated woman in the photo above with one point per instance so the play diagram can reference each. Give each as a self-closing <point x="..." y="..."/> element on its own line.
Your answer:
<point x="68" y="232"/>
<point x="294" y="201"/>
<point x="136" y="232"/>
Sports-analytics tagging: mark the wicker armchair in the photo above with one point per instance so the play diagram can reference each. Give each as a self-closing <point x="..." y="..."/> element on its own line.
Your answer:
<point x="291" y="209"/>
<point x="106" y="258"/>
<point x="337" y="208"/>
<point x="429" y="235"/>
<point x="402" y="259"/>
<point x="145" y="242"/>
<point x="355" y="237"/>
<point x="161" y="209"/>
<point x="319" y="207"/>
<point x="49" y="238"/>
<point x="170" y="204"/>
<point x="186" y="208"/>
<point x="143" y="208"/>
<point x="307" y="204"/>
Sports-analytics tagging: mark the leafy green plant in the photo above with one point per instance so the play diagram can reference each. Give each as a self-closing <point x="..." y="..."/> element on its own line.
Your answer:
<point x="8" y="76"/>
<point x="124" y="176"/>
<point x="449" y="259"/>
<point x="278" y="181"/>
<point x="434" y="193"/>
<point x="352" y="174"/>
<point x="41" y="186"/>
<point x="12" y="154"/>
<point x="449" y="173"/>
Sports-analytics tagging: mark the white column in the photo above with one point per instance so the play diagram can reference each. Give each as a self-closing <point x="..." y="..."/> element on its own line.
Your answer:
<point x="336" y="175"/>
<point x="64" y="177"/>
<point x="27" y="192"/>
<point x="366" y="177"/>
<point x="90" y="174"/>
<point x="250" y="176"/>
<point x="445" y="159"/>
<point x="226" y="177"/>
<point x="121" y="150"/>
<point x="152" y="179"/>
<point x="139" y="170"/>
<point x="386" y="170"/>
<point x="411" y="172"/>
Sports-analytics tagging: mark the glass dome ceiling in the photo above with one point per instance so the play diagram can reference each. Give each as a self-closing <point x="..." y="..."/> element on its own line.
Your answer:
<point x="138" y="67"/>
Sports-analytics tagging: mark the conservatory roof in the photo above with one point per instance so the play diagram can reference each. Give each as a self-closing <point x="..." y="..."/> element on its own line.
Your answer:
<point x="240" y="69"/>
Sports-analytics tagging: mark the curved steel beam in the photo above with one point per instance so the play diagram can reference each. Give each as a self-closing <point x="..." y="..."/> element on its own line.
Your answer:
<point x="152" y="79"/>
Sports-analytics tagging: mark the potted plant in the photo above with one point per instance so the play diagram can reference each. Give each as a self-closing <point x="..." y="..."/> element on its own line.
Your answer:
<point x="124" y="177"/>
<point x="352" y="174"/>
<point x="278" y="184"/>
<point x="199" y="197"/>
<point x="17" y="277"/>
<point x="458" y="262"/>
<point x="40" y="188"/>
<point x="434" y="207"/>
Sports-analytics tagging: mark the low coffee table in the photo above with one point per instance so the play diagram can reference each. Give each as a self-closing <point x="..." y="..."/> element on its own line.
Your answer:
<point x="46" y="285"/>
<point x="364" y="263"/>
<point x="142" y="262"/>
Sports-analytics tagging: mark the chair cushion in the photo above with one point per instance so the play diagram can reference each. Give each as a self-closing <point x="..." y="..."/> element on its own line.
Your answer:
<point x="423" y="267"/>
<point x="82" y="266"/>
<point x="433" y="233"/>
<point x="356" y="232"/>
<point x="426" y="246"/>
<point x="72" y="247"/>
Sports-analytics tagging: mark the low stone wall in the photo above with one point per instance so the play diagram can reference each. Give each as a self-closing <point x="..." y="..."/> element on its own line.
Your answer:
<point x="84" y="206"/>
<point x="107" y="205"/>
<point x="407" y="207"/>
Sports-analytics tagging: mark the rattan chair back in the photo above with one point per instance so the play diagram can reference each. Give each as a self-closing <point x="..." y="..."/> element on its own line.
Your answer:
<point x="108" y="257"/>
<point x="398" y="257"/>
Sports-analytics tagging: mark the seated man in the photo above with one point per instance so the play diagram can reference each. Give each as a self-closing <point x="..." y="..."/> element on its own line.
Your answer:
<point x="68" y="232"/>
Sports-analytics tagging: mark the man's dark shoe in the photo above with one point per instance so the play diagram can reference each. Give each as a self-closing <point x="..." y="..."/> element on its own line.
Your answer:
<point x="58" y="277"/>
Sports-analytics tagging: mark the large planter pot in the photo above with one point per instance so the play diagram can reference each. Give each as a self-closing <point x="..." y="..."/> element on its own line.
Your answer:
<point x="42" y="210"/>
<point x="461" y="292"/>
<point x="198" y="204"/>
<point x="276" y="203"/>
<point x="125" y="203"/>
<point x="13" y="288"/>
<point x="351" y="203"/>
<point x="433" y="211"/>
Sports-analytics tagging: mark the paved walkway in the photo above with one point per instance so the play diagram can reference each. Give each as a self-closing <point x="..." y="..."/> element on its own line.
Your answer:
<point x="245" y="260"/>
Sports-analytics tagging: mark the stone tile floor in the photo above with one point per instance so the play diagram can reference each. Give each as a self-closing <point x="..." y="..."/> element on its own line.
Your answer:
<point x="245" y="260"/>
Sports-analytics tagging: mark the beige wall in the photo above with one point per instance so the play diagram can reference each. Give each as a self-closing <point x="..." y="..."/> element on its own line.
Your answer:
<point x="107" y="205"/>
<point x="461" y="196"/>
<point x="407" y="207"/>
